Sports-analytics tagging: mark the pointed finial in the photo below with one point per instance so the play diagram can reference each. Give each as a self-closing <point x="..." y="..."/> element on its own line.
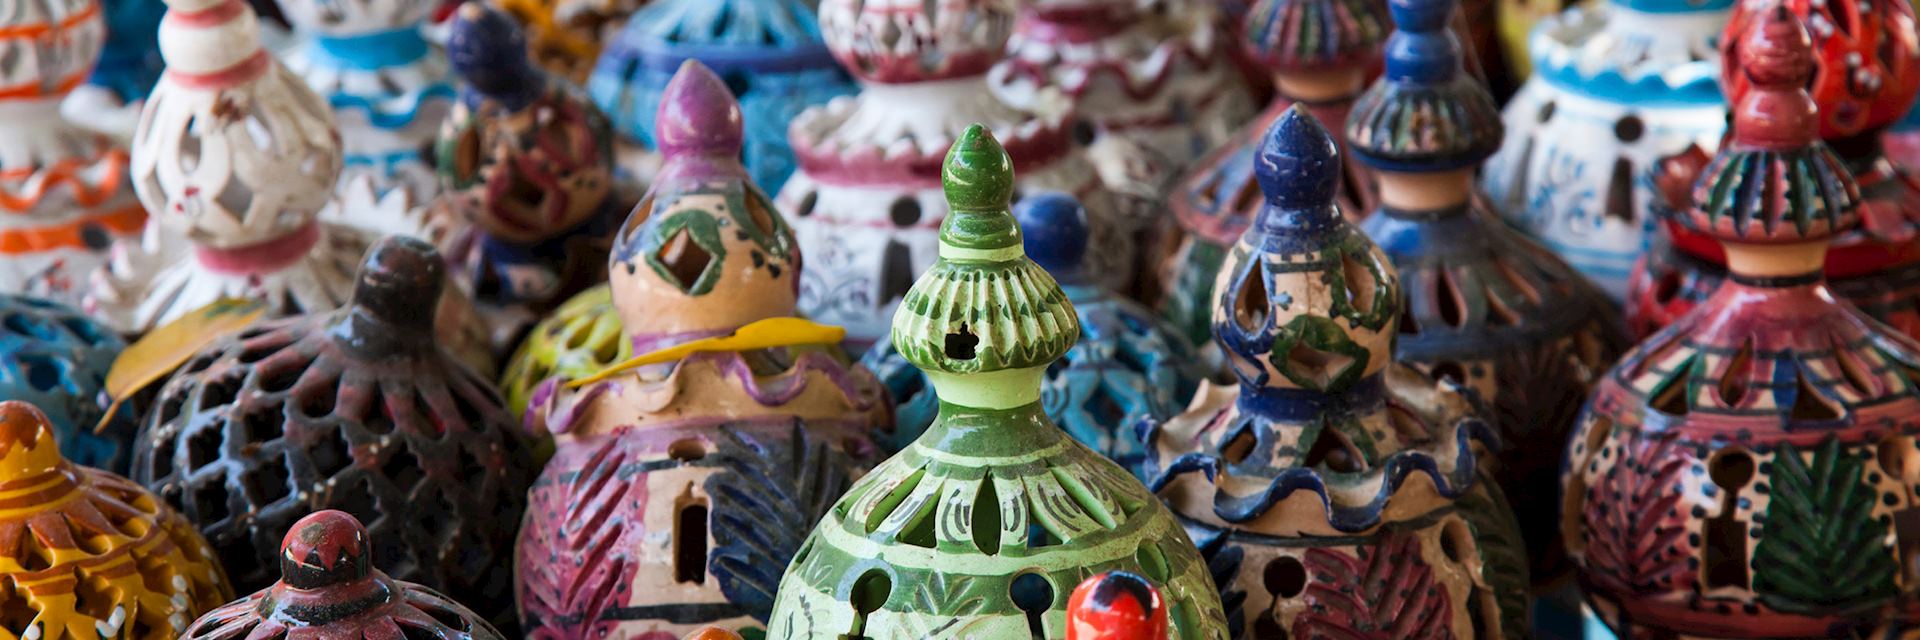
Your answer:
<point x="1116" y="606"/>
<point x="212" y="44"/>
<point x="1055" y="229"/>
<point x="1775" y="180"/>
<point x="984" y="307"/>
<point x="1298" y="165"/>
<point x="1776" y="57"/>
<point x="1864" y="71"/>
<point x="978" y="177"/>
<point x="27" y="446"/>
<point x="326" y="549"/>
<point x="489" y="51"/>
<point x="699" y="116"/>
<point x="1426" y="113"/>
<point x="399" y="281"/>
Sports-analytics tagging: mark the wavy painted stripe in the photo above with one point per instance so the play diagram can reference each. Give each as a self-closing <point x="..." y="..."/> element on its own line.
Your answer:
<point x="65" y="173"/>
<point x="124" y="221"/>
<point x="395" y="116"/>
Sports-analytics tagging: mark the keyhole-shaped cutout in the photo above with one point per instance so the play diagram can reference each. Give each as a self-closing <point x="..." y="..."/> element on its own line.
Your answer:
<point x="690" y="542"/>
<point x="870" y="593"/>
<point x="896" y="272"/>
<point x="1726" y="535"/>
<point x="962" y="344"/>
<point x="1034" y="595"/>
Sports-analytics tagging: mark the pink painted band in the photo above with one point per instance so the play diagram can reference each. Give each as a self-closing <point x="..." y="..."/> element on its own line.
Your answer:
<point x="263" y="257"/>
<point x="240" y="73"/>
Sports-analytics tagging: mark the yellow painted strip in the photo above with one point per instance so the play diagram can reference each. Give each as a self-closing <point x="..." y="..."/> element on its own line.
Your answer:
<point x="764" y="334"/>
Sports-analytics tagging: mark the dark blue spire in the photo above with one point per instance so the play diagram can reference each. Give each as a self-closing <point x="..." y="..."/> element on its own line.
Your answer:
<point x="1421" y="48"/>
<point x="1054" y="226"/>
<point x="1298" y="167"/>
<point x="489" y="51"/>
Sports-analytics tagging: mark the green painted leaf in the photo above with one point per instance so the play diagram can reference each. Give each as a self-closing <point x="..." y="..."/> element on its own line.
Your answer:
<point x="1822" y="547"/>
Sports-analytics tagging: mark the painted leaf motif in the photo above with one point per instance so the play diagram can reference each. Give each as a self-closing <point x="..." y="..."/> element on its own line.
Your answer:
<point x="579" y="525"/>
<point x="1540" y="396"/>
<point x="1822" y="547"/>
<point x="1387" y="592"/>
<point x="765" y="501"/>
<point x="1223" y="562"/>
<point x="1633" y="523"/>
<point x="1502" y="554"/>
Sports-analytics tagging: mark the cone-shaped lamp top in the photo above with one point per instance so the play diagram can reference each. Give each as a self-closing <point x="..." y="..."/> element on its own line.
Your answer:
<point x="1116" y="606"/>
<point x="398" y="288"/>
<point x="1865" y="71"/>
<point x="27" y="446"/>
<point x="1774" y="149"/>
<point x="326" y="549"/>
<point x="1302" y="279"/>
<point x="1426" y="113"/>
<point x="1305" y="35"/>
<point x="700" y="129"/>
<point x="489" y="51"/>
<point x="984" y="307"/>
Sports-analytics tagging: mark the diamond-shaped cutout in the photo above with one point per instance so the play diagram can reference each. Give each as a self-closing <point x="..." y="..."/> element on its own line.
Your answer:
<point x="1316" y="368"/>
<point x="685" y="260"/>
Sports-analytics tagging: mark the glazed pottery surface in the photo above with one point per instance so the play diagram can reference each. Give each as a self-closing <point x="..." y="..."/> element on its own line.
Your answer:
<point x="680" y="487"/>
<point x="1127" y="365"/>
<point x="979" y="527"/>
<point x="1333" y="491"/>
<point x="329" y="588"/>
<point x="566" y="34"/>
<point x="1866" y="75"/>
<point x="581" y="338"/>
<point x="130" y="64"/>
<point x="362" y="410"/>
<point x="527" y="161"/>
<point x="55" y="358"/>
<point x="1216" y="200"/>
<point x="769" y="52"/>
<point x="1165" y="78"/>
<point x="65" y="196"/>
<point x="1747" y="471"/>
<point x="1486" y="307"/>
<point x="87" y="553"/>
<point x="389" y="88"/>
<point x="866" y="201"/>
<point x="1617" y="87"/>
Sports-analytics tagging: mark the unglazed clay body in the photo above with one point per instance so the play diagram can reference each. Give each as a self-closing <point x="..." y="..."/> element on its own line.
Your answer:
<point x="389" y="88"/>
<point x="89" y="554"/>
<point x="866" y="202"/>
<point x="1334" y="490"/>
<point x="979" y="527"/>
<point x="360" y="409"/>
<point x="1219" y="196"/>
<point x="1616" y="88"/>
<point x="768" y="51"/>
<point x="65" y="195"/>
<point x="682" y="483"/>
<point x="1744" y="472"/>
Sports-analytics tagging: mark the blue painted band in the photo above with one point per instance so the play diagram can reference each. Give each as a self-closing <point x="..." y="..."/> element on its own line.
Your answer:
<point x="1650" y="90"/>
<point x="391" y="116"/>
<point x="378" y="50"/>
<point x="1302" y="405"/>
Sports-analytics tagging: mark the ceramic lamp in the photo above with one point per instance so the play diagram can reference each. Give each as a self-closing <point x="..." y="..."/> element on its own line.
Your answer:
<point x="330" y="588"/>
<point x="565" y="35"/>
<point x="984" y="522"/>
<point x="234" y="157"/>
<point x="129" y="67"/>
<point x="1165" y="79"/>
<point x="1617" y="87"/>
<point x="1126" y="367"/>
<point x="359" y="409"/>
<point x="768" y="51"/>
<point x="527" y="163"/>
<point x="1216" y="200"/>
<point x="1865" y="78"/>
<point x="56" y="358"/>
<point x="389" y="88"/>
<point x="866" y="201"/>
<point x="89" y="554"/>
<point x="1742" y="473"/>
<point x="679" y="487"/>
<point x="1486" y="307"/>
<point x="1332" y="487"/>
<point x="64" y="190"/>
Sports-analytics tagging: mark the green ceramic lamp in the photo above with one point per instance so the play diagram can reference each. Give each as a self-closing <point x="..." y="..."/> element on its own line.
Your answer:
<point x="982" y="526"/>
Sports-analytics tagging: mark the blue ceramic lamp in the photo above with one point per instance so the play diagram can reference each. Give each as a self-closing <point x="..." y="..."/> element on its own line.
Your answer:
<point x="768" y="51"/>
<point x="56" y="358"/>
<point x="1485" y="306"/>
